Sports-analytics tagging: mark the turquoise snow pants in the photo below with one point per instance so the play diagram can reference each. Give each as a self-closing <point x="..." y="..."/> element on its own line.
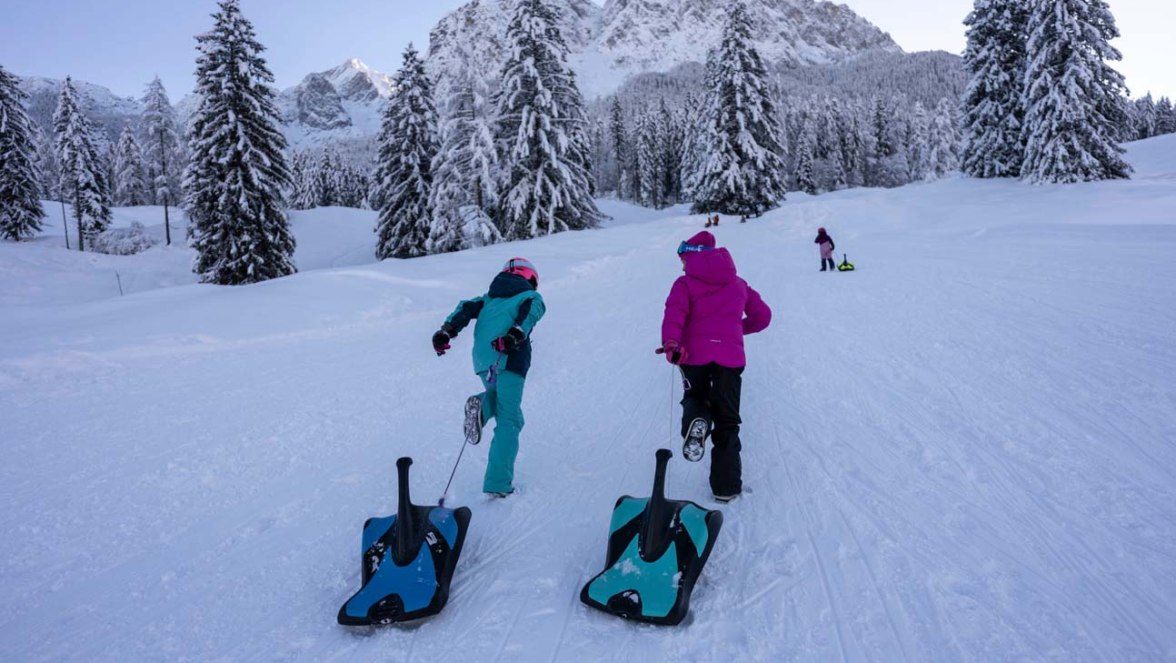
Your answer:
<point x="503" y="402"/>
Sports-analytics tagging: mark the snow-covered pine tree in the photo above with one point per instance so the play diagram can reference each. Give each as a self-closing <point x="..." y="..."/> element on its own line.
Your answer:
<point x="672" y="141"/>
<point x="620" y="145"/>
<point x="943" y="146"/>
<point x="297" y="166"/>
<point x="888" y="162"/>
<point x="1165" y="117"/>
<point x="918" y="144"/>
<point x="307" y="191"/>
<point x="404" y="173"/>
<point x="853" y="146"/>
<point x="327" y="179"/>
<point x="1073" y="98"/>
<point x="744" y="168"/>
<point x="604" y="168"/>
<point x="541" y="131"/>
<point x="163" y="151"/>
<point x="45" y="155"/>
<point x="21" y="214"/>
<point x="699" y="138"/>
<point x="804" y="165"/>
<point x="83" y="171"/>
<point x="831" y="175"/>
<point x="465" y="172"/>
<point x="130" y="178"/>
<point x="993" y="105"/>
<point x="649" y="162"/>
<point x="580" y="141"/>
<point x="351" y="186"/>
<point x="237" y="172"/>
<point x="1143" y="118"/>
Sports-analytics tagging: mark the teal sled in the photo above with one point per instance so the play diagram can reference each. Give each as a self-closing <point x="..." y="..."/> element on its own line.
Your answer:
<point x="408" y="560"/>
<point x="656" y="551"/>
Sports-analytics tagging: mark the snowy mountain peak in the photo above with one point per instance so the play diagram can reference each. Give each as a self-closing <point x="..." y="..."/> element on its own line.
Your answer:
<point x="356" y="81"/>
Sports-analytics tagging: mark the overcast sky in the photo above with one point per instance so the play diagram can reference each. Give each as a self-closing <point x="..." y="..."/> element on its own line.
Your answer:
<point x="122" y="44"/>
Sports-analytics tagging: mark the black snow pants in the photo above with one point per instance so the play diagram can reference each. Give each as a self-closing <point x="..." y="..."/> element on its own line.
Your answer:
<point x="712" y="393"/>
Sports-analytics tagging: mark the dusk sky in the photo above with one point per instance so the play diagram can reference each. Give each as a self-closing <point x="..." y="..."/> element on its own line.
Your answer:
<point x="122" y="44"/>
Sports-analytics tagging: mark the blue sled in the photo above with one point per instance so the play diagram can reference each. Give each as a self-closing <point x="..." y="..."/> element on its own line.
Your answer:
<point x="656" y="551"/>
<point x="408" y="561"/>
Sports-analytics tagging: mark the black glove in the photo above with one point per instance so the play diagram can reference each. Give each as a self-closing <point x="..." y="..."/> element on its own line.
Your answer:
<point x="511" y="341"/>
<point x="441" y="339"/>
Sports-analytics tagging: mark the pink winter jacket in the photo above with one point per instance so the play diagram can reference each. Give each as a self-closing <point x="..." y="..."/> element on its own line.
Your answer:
<point x="711" y="309"/>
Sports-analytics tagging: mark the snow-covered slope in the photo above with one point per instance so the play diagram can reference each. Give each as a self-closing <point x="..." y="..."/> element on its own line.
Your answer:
<point x="960" y="452"/>
<point x="626" y="37"/>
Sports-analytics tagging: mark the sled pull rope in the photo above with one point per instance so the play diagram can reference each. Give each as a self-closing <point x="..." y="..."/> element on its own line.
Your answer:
<point x="444" y="493"/>
<point x="672" y="367"/>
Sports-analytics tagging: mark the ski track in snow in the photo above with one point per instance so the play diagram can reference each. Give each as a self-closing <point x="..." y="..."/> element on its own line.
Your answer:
<point x="960" y="452"/>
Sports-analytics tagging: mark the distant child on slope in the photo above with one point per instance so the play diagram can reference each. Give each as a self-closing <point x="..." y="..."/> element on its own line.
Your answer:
<point x="827" y="247"/>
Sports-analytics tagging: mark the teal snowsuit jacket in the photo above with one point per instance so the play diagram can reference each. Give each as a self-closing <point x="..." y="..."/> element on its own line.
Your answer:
<point x="511" y="301"/>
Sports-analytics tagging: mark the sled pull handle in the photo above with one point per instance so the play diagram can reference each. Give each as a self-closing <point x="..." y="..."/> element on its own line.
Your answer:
<point x="405" y="527"/>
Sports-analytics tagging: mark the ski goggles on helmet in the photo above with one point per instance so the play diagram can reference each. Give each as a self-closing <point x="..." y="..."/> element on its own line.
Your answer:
<point x="523" y="268"/>
<point x="691" y="248"/>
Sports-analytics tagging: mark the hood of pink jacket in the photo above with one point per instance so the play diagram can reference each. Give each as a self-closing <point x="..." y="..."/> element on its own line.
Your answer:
<point x="715" y="267"/>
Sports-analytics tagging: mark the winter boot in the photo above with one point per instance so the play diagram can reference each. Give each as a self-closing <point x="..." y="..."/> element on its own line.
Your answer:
<point x="694" y="444"/>
<point x="473" y="419"/>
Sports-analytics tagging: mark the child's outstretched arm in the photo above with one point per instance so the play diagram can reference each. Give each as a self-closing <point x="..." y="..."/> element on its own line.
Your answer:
<point x="757" y="314"/>
<point x="463" y="315"/>
<point x="530" y="312"/>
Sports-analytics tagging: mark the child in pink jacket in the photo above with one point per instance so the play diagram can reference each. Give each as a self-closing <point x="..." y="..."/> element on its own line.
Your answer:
<point x="709" y="311"/>
<point x="827" y="247"/>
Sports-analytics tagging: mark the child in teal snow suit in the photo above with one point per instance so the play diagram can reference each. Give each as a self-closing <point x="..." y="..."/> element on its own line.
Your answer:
<point x="506" y="315"/>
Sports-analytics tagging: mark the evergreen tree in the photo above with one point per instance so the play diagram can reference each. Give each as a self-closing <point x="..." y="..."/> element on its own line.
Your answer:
<point x="744" y="169"/>
<point x="20" y="206"/>
<point x="993" y="105"/>
<point x="1165" y="117"/>
<point x="130" y="178"/>
<point x="163" y="150"/>
<point x="351" y="186"/>
<point x="297" y="174"/>
<point x="888" y="164"/>
<point x="696" y="148"/>
<point x="804" y="165"/>
<point x="852" y="145"/>
<point x="327" y="179"/>
<point x="307" y="184"/>
<point x="465" y="170"/>
<point x="237" y="172"/>
<point x="620" y="144"/>
<point x="1143" y="118"/>
<point x="542" y="131"/>
<point x="919" y="159"/>
<point x="83" y="171"/>
<point x="1072" y="96"/>
<point x="672" y="145"/>
<point x="944" y="140"/>
<point x="408" y="145"/>
<point x="649" y="162"/>
<point x="49" y="175"/>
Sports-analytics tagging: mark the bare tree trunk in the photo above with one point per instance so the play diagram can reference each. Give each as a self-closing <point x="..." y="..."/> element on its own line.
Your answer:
<point x="64" y="224"/>
<point x="78" y="214"/>
<point x="166" y="221"/>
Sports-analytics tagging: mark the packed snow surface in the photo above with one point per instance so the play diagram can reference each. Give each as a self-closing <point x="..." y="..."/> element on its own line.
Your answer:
<point x="963" y="451"/>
